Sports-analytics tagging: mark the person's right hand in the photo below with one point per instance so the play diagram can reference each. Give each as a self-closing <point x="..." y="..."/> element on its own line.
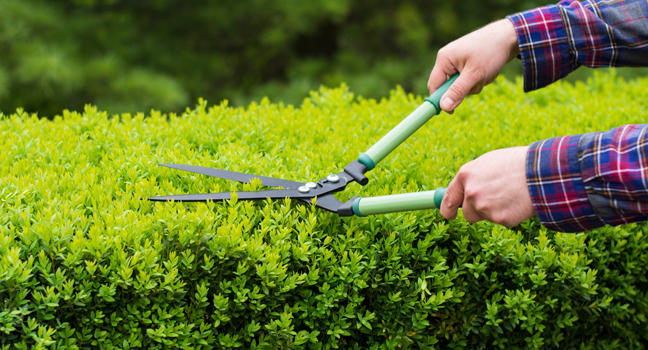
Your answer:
<point x="478" y="56"/>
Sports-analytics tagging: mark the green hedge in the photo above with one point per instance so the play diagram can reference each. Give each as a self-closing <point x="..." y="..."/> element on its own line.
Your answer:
<point x="86" y="264"/>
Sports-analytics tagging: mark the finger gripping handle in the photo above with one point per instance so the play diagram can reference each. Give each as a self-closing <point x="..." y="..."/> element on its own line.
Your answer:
<point x="435" y="98"/>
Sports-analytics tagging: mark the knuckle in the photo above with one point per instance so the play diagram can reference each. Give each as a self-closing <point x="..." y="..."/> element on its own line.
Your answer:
<point x="476" y="73"/>
<point x="476" y="90"/>
<point x="448" y="198"/>
<point x="461" y="178"/>
<point x="483" y="207"/>
<point x="497" y="218"/>
<point x="511" y="222"/>
<point x="471" y="194"/>
<point x="502" y="219"/>
<point x="464" y="172"/>
<point x="458" y="88"/>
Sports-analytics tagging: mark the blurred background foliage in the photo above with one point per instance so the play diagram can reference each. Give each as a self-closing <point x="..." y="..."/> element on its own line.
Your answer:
<point x="127" y="56"/>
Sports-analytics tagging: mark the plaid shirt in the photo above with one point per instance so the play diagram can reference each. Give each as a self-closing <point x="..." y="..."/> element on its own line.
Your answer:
<point x="582" y="182"/>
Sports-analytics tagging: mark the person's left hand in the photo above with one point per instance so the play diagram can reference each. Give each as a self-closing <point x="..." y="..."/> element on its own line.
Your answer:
<point x="492" y="187"/>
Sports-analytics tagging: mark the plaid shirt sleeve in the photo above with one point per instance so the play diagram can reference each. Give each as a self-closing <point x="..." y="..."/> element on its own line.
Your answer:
<point x="555" y="40"/>
<point x="578" y="183"/>
<point x="581" y="182"/>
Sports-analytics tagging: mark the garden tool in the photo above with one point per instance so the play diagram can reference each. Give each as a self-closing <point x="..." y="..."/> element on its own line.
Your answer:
<point x="321" y="192"/>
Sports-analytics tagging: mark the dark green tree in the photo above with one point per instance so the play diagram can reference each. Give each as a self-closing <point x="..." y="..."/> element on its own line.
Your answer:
<point x="163" y="54"/>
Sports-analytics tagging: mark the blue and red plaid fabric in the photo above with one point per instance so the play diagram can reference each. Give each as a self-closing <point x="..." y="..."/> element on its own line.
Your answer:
<point x="556" y="39"/>
<point x="556" y="186"/>
<point x="582" y="182"/>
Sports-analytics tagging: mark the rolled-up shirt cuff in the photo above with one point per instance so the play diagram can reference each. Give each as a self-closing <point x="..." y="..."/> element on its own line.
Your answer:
<point x="544" y="46"/>
<point x="556" y="186"/>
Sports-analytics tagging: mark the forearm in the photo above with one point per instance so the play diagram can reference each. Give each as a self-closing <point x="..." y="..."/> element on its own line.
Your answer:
<point x="582" y="182"/>
<point x="555" y="40"/>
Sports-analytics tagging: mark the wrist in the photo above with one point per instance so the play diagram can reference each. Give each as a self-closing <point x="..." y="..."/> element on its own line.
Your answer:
<point x="510" y="39"/>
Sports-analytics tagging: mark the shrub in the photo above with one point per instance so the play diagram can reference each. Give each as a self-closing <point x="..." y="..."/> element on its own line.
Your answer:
<point x="86" y="264"/>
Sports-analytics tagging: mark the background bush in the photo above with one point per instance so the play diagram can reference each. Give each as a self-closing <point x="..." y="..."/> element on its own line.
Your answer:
<point x="86" y="264"/>
<point x="130" y="56"/>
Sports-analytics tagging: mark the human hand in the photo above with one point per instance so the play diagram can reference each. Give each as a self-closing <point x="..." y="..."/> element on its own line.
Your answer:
<point x="492" y="187"/>
<point x="478" y="56"/>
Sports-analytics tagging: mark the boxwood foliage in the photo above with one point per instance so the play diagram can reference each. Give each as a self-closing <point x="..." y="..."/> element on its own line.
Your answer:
<point x="85" y="263"/>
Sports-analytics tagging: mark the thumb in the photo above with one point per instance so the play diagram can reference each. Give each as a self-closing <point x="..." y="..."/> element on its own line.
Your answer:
<point x="458" y="91"/>
<point x="442" y="69"/>
<point x="452" y="199"/>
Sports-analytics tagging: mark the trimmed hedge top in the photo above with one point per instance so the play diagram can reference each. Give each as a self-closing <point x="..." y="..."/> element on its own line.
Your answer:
<point x="86" y="264"/>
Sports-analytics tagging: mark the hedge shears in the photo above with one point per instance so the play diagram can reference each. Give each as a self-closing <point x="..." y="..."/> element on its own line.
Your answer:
<point x="322" y="190"/>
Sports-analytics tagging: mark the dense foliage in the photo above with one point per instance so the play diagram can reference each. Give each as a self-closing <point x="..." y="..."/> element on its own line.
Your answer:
<point x="136" y="55"/>
<point x="86" y="264"/>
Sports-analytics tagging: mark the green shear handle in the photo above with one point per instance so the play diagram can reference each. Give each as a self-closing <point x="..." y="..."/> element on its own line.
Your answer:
<point x="388" y="143"/>
<point x="405" y="128"/>
<point x="398" y="202"/>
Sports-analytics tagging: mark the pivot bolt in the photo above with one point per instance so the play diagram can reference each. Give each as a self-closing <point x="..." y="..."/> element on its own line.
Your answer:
<point x="311" y="185"/>
<point x="333" y="178"/>
<point x="304" y="189"/>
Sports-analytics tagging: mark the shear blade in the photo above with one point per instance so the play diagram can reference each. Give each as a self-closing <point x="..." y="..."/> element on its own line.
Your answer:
<point x="327" y="201"/>
<point x="221" y="196"/>
<point x="232" y="175"/>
